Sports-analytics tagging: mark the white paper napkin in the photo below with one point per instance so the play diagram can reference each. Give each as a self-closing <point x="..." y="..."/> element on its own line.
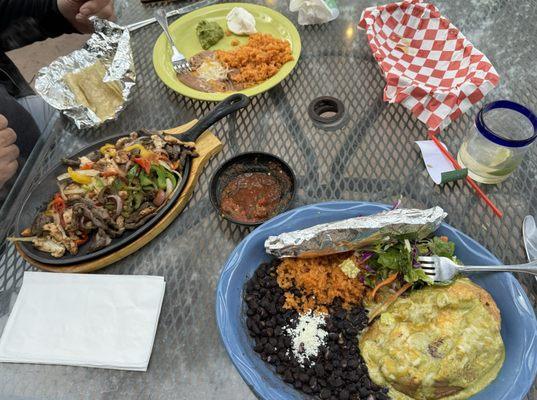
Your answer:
<point x="438" y="166"/>
<point x="101" y="321"/>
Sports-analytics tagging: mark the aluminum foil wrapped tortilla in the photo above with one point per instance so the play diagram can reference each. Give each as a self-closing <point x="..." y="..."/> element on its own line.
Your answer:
<point x="93" y="84"/>
<point x="354" y="233"/>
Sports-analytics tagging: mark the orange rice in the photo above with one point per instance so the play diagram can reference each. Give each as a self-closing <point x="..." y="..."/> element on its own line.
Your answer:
<point x="256" y="61"/>
<point x="319" y="280"/>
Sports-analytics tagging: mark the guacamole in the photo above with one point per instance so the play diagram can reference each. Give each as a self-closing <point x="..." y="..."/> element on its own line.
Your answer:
<point x="209" y="33"/>
<point x="439" y="342"/>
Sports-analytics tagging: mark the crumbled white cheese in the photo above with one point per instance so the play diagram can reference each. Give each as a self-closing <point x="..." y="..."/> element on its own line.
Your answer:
<point x="349" y="268"/>
<point x="240" y="21"/>
<point x="307" y="336"/>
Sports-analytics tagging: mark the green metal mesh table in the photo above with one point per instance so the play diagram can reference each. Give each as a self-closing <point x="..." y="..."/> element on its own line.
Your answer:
<point x="372" y="157"/>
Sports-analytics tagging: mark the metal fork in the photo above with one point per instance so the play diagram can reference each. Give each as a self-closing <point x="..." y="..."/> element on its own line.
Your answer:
<point x="179" y="62"/>
<point x="180" y="11"/>
<point x="442" y="269"/>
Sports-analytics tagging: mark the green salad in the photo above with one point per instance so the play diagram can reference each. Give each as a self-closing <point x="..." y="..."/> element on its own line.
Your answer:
<point x="401" y="256"/>
<point x="391" y="267"/>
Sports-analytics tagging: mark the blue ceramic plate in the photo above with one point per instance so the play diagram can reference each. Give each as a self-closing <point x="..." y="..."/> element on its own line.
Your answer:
<point x="519" y="326"/>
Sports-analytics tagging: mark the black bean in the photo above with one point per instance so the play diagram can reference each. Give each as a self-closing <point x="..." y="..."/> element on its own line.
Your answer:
<point x="319" y="369"/>
<point x="288" y="377"/>
<point x="268" y="348"/>
<point x="256" y="329"/>
<point x="337" y="372"/>
<point x="337" y="382"/>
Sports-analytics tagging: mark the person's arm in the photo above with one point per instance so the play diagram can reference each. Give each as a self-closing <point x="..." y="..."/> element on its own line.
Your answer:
<point x="26" y="21"/>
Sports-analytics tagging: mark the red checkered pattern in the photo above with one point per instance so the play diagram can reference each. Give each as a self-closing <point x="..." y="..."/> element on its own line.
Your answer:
<point x="429" y="66"/>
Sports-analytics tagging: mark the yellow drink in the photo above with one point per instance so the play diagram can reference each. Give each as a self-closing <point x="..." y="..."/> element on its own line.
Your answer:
<point x="492" y="166"/>
<point x="502" y="134"/>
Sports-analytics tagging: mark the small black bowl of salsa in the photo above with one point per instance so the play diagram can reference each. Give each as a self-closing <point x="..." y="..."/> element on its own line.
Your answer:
<point x="252" y="187"/>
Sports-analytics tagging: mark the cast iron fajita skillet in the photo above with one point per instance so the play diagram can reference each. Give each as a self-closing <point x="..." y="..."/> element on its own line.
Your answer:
<point x="43" y="192"/>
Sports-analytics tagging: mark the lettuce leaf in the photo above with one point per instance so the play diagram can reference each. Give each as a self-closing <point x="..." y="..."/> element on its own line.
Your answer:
<point x="441" y="248"/>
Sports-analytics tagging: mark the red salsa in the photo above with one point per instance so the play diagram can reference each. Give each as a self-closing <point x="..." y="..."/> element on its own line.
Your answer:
<point x="251" y="197"/>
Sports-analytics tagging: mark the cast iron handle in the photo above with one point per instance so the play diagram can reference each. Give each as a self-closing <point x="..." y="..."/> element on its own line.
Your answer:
<point x="224" y="108"/>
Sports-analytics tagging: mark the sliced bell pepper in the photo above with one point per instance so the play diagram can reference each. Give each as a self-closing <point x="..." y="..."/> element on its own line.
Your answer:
<point x="145" y="164"/>
<point x="87" y="166"/>
<point x="143" y="151"/>
<point x="133" y="172"/>
<point x="58" y="204"/>
<point x="109" y="149"/>
<point x="78" y="177"/>
<point x="146" y="181"/>
<point x="171" y="177"/>
<point x="82" y="240"/>
<point x="99" y="184"/>
<point x="162" y="175"/>
<point x="138" y="197"/>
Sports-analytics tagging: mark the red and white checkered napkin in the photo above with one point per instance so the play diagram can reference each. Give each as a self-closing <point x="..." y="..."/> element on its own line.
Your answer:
<point x="429" y="66"/>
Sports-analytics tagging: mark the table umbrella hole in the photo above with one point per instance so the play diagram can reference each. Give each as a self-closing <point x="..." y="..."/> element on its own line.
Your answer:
<point x="327" y="112"/>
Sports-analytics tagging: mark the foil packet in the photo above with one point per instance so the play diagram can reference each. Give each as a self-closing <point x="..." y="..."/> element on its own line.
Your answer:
<point x="354" y="233"/>
<point x="110" y="44"/>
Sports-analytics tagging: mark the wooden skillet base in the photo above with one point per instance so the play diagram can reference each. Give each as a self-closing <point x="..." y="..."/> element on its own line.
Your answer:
<point x="207" y="146"/>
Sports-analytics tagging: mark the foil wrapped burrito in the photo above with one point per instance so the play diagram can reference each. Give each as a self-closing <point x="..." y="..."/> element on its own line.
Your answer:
<point x="93" y="84"/>
<point x="354" y="233"/>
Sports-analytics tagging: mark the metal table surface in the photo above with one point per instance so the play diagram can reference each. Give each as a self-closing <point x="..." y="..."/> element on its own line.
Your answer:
<point x="373" y="157"/>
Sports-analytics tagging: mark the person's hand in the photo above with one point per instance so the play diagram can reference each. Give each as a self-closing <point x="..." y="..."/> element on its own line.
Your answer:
<point x="9" y="152"/>
<point x="77" y="12"/>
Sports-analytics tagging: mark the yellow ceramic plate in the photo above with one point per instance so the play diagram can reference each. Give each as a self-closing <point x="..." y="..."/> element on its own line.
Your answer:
<point x="183" y="32"/>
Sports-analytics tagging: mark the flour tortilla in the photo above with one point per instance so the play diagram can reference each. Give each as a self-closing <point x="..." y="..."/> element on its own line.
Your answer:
<point x="103" y="98"/>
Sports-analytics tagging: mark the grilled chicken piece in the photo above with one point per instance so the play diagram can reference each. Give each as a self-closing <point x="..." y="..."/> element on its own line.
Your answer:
<point x="127" y="139"/>
<point x="54" y="231"/>
<point x="40" y="220"/>
<point x="158" y="142"/>
<point x="49" y="246"/>
<point x="57" y="234"/>
<point x="120" y="222"/>
<point x="103" y="164"/>
<point x="68" y="217"/>
<point x="121" y="157"/>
